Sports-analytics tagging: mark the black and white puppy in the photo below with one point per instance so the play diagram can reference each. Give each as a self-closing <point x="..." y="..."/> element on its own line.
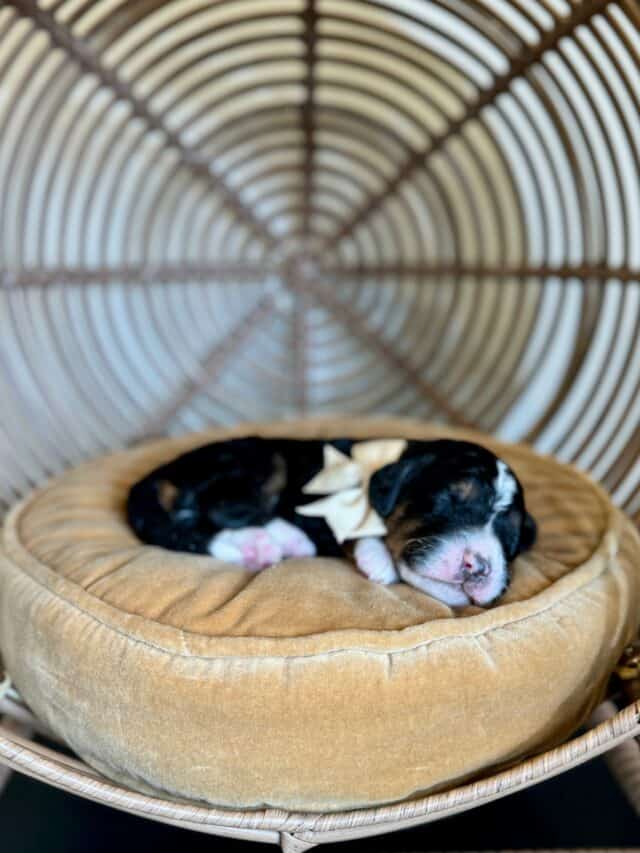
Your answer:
<point x="454" y="512"/>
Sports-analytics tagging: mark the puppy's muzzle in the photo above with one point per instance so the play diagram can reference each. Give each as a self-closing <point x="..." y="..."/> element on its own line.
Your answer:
<point x="459" y="570"/>
<point x="474" y="566"/>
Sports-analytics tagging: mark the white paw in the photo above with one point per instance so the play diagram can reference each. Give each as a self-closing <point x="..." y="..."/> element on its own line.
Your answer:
<point x="374" y="560"/>
<point x="293" y="541"/>
<point x="251" y="547"/>
<point x="447" y="593"/>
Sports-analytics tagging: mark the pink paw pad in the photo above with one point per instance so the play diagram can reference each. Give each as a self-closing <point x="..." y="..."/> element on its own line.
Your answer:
<point x="251" y="547"/>
<point x="258" y="549"/>
<point x="293" y="541"/>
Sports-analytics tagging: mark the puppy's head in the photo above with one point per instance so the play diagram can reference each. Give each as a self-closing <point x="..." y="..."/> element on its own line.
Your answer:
<point x="456" y="518"/>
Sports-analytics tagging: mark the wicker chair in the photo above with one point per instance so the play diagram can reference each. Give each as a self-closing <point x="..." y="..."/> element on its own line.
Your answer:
<point x="214" y="212"/>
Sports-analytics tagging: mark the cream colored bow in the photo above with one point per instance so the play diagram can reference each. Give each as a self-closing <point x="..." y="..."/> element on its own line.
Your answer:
<point x="346" y="482"/>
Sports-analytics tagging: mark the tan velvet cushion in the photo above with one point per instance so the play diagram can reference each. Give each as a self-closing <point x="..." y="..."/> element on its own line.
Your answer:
<point x="305" y="686"/>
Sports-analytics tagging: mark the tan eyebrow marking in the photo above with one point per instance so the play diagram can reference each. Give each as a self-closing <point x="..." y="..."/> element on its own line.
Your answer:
<point x="399" y="530"/>
<point x="167" y="494"/>
<point x="464" y="489"/>
<point x="278" y="480"/>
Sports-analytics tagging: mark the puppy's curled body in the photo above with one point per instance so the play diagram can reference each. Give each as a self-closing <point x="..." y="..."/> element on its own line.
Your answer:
<point x="454" y="512"/>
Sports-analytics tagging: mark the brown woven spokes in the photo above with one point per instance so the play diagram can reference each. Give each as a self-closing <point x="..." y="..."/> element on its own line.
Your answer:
<point x="215" y="212"/>
<point x="212" y="212"/>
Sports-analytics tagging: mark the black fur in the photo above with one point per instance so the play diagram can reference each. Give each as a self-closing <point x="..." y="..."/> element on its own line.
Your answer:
<point x="436" y="487"/>
<point x="446" y="486"/>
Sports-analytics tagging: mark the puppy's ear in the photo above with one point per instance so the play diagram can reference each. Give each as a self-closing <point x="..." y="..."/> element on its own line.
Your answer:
<point x="386" y="485"/>
<point x="528" y="533"/>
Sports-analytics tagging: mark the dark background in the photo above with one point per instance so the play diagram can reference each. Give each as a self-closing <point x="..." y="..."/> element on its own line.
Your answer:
<point x="582" y="808"/>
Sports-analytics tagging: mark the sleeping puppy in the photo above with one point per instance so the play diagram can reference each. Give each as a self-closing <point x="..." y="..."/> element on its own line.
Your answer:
<point x="454" y="513"/>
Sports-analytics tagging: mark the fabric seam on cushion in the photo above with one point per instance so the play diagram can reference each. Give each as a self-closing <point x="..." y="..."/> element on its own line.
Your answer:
<point x="348" y="650"/>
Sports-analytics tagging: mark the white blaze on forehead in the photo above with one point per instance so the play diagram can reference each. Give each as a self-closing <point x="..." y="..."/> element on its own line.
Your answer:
<point x="505" y="487"/>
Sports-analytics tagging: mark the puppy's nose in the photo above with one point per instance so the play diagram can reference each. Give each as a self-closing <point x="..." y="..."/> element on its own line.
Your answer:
<point x="474" y="565"/>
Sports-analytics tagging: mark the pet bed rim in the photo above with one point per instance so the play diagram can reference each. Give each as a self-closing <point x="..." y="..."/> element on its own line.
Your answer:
<point x="71" y="775"/>
<point x="336" y="641"/>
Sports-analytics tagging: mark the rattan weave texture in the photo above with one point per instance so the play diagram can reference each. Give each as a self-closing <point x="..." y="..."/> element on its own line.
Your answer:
<point x="212" y="212"/>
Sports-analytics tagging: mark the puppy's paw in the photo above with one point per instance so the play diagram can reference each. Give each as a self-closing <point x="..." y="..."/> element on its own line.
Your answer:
<point x="374" y="560"/>
<point x="447" y="593"/>
<point x="251" y="547"/>
<point x="293" y="541"/>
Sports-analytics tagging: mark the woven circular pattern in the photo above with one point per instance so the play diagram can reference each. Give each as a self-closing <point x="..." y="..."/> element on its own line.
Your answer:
<point x="423" y="207"/>
<point x="214" y="211"/>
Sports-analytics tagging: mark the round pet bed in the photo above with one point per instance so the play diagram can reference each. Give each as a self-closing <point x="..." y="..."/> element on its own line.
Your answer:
<point x="306" y="686"/>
